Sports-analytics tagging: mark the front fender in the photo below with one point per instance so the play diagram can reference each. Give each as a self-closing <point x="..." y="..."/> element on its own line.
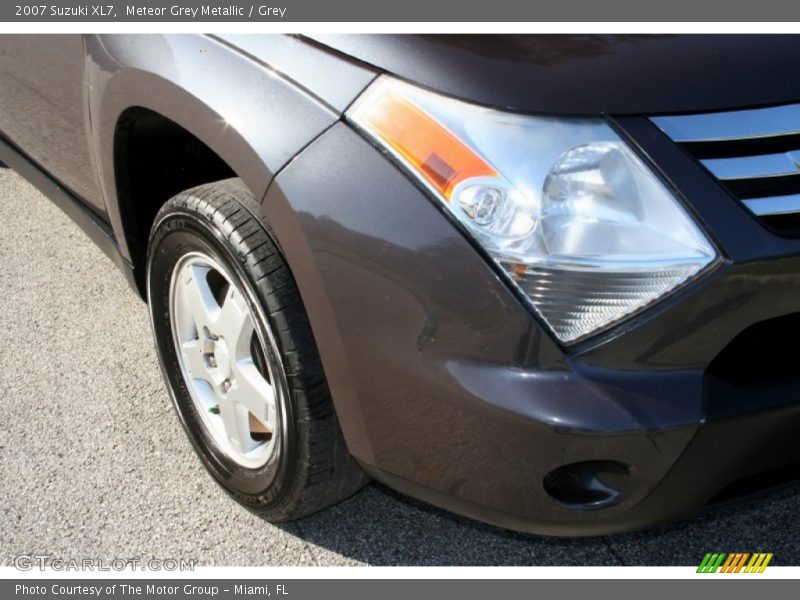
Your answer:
<point x="252" y="116"/>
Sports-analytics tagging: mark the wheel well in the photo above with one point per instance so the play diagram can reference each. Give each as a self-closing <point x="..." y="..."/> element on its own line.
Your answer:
<point x="154" y="159"/>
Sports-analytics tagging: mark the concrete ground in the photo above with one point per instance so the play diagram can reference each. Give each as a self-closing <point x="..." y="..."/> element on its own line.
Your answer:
<point x="93" y="462"/>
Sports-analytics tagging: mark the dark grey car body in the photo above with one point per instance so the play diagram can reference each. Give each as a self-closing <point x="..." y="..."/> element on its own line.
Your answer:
<point x="445" y="384"/>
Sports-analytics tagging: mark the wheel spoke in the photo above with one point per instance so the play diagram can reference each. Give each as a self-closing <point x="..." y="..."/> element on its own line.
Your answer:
<point x="235" y="323"/>
<point x="236" y="425"/>
<point x="200" y="299"/>
<point x="254" y="393"/>
<point x="194" y="361"/>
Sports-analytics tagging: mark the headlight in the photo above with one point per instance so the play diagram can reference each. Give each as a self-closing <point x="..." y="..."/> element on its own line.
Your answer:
<point x="570" y="213"/>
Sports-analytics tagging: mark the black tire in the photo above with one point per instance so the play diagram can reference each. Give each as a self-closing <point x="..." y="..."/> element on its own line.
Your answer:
<point x="313" y="468"/>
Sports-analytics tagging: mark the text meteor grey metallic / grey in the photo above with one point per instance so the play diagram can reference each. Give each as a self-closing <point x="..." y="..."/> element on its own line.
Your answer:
<point x="548" y="282"/>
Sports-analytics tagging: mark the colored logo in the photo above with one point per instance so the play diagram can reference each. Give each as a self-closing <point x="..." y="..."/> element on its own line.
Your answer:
<point x="735" y="562"/>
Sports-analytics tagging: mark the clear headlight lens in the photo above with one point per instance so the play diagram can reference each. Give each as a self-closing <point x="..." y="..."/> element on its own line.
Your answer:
<point x="570" y="213"/>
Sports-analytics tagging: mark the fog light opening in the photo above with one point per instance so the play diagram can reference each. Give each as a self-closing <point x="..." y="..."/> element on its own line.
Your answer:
<point x="588" y="485"/>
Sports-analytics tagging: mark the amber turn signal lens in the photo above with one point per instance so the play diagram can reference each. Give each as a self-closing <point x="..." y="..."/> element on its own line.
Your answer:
<point x="442" y="159"/>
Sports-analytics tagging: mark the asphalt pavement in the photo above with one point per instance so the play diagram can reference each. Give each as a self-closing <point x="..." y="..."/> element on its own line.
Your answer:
<point x="93" y="462"/>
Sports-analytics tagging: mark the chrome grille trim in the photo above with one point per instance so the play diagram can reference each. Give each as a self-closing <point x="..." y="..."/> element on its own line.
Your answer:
<point x="754" y="153"/>
<point x="776" y="205"/>
<point x="748" y="167"/>
<point x="732" y="125"/>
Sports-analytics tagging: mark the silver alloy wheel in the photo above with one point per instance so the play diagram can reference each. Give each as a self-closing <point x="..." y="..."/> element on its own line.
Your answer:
<point x="235" y="384"/>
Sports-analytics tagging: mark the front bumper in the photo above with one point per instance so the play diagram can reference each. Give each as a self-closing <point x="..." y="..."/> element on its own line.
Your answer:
<point x="447" y="388"/>
<point x="721" y="462"/>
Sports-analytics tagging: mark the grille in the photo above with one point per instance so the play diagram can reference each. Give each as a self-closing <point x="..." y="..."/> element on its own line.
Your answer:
<point x="754" y="153"/>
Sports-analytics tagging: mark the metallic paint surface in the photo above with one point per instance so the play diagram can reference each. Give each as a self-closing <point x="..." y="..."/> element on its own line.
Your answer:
<point x="590" y="74"/>
<point x="43" y="108"/>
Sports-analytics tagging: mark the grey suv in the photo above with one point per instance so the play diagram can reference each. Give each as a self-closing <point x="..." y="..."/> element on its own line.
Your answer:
<point x="549" y="282"/>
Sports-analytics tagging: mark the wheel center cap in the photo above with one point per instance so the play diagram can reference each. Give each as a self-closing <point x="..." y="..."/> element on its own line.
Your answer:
<point x="222" y="358"/>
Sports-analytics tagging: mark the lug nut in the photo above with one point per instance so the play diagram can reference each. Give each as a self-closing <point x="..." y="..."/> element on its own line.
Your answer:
<point x="226" y="385"/>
